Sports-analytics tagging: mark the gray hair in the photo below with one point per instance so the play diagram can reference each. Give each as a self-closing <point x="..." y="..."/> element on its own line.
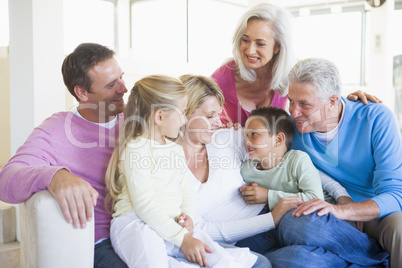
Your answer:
<point x="320" y="73"/>
<point x="280" y="21"/>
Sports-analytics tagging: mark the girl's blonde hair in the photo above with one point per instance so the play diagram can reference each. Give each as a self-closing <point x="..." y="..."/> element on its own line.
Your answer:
<point x="199" y="88"/>
<point x="152" y="93"/>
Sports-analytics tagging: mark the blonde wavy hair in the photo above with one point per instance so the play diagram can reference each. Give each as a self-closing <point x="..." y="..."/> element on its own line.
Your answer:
<point x="199" y="88"/>
<point x="155" y="92"/>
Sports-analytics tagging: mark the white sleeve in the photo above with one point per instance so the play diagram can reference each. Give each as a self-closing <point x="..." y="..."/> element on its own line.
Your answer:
<point x="233" y="231"/>
<point x="332" y="187"/>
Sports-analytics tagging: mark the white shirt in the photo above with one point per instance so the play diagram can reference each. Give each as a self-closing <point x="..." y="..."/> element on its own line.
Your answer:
<point x="327" y="137"/>
<point x="222" y="212"/>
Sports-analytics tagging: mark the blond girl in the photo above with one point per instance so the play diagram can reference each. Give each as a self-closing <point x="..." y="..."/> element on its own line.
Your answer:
<point x="152" y="201"/>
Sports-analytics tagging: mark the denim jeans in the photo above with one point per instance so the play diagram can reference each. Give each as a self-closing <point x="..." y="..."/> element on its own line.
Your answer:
<point x="105" y="256"/>
<point x="261" y="243"/>
<point x="314" y="241"/>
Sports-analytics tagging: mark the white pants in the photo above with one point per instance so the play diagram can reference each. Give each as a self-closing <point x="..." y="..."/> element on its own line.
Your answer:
<point x="138" y="245"/>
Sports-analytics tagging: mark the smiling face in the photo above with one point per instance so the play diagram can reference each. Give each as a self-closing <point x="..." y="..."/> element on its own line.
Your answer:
<point x="259" y="143"/>
<point x="258" y="44"/>
<point x="104" y="100"/>
<point x="310" y="113"/>
<point x="174" y="119"/>
<point x="203" y="121"/>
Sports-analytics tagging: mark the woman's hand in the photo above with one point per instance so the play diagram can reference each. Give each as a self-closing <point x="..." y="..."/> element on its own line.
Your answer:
<point x="236" y="126"/>
<point x="283" y="206"/>
<point x="254" y="194"/>
<point x="363" y="96"/>
<point x="186" y="222"/>
<point x="195" y="251"/>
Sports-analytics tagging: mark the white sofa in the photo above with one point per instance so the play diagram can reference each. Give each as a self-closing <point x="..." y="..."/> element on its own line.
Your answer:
<point x="48" y="241"/>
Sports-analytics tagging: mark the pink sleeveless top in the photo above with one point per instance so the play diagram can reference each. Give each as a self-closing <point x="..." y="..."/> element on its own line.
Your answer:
<point x="232" y="110"/>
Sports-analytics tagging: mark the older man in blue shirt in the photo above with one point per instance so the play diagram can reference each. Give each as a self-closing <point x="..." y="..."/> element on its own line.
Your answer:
<point x="357" y="145"/>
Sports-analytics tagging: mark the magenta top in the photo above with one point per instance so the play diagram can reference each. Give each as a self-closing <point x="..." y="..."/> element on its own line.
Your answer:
<point x="62" y="141"/>
<point x="232" y="110"/>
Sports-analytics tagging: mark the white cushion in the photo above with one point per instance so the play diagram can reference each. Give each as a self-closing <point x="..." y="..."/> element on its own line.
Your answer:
<point x="47" y="240"/>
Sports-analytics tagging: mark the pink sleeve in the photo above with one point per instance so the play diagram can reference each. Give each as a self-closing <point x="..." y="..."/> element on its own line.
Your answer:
<point x="30" y="169"/>
<point x="279" y="101"/>
<point x="226" y="80"/>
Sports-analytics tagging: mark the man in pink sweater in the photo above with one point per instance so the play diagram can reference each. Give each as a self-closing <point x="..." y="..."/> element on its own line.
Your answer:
<point x="69" y="152"/>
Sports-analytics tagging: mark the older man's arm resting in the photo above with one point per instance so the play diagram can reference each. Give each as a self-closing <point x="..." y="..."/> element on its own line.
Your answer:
<point x="361" y="211"/>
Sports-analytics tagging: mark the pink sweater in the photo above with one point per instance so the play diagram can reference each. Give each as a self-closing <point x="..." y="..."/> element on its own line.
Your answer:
<point x="67" y="141"/>
<point x="232" y="110"/>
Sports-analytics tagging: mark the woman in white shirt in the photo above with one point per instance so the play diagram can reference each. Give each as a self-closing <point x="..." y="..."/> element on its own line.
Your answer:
<point x="214" y="157"/>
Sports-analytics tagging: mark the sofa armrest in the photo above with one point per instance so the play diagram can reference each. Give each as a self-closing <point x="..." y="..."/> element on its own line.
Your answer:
<point x="47" y="240"/>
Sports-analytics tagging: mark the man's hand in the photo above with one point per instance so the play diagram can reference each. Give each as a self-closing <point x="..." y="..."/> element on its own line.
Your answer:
<point x="363" y="96"/>
<point x="186" y="222"/>
<point x="344" y="200"/>
<point x="361" y="211"/>
<point x="75" y="196"/>
<point x="319" y="205"/>
<point x="195" y="251"/>
<point x="283" y="206"/>
<point x="254" y="194"/>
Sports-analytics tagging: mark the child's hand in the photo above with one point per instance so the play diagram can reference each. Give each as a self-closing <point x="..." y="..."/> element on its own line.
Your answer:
<point x="186" y="222"/>
<point x="195" y="250"/>
<point x="283" y="206"/>
<point x="254" y="194"/>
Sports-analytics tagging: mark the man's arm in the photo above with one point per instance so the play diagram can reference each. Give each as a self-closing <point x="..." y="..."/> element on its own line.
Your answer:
<point x="386" y="148"/>
<point x="361" y="211"/>
<point x="33" y="168"/>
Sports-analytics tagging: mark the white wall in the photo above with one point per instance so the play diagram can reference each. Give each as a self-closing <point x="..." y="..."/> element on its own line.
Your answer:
<point x="380" y="58"/>
<point x="5" y="147"/>
<point x="36" y="53"/>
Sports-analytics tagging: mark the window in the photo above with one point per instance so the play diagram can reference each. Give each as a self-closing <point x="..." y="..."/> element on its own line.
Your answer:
<point x="336" y="37"/>
<point x="211" y="28"/>
<point x="159" y="30"/>
<point x="196" y="34"/>
<point x="4" y="28"/>
<point x="397" y="67"/>
<point x="88" y="21"/>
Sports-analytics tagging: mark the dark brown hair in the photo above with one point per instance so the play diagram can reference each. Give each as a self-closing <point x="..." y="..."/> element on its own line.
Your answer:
<point x="76" y="65"/>
<point x="276" y="120"/>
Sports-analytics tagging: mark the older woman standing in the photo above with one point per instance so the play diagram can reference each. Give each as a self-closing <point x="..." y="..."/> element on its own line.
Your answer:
<point x="263" y="55"/>
<point x="256" y="76"/>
